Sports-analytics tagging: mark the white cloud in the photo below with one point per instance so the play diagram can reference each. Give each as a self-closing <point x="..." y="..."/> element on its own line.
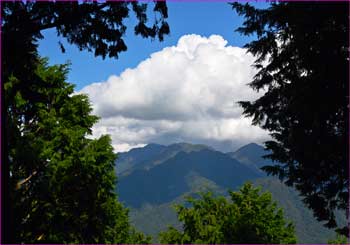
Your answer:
<point x="186" y="92"/>
<point x="126" y="147"/>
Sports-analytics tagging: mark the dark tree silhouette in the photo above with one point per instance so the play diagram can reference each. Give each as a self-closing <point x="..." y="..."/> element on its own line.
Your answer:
<point x="42" y="132"/>
<point x="302" y="51"/>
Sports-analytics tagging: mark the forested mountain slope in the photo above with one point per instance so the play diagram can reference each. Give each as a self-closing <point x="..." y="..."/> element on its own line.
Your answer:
<point x="153" y="178"/>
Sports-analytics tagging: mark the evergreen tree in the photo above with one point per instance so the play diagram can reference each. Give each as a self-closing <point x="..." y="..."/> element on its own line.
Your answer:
<point x="302" y="51"/>
<point x="58" y="186"/>
<point x="250" y="217"/>
<point x="63" y="184"/>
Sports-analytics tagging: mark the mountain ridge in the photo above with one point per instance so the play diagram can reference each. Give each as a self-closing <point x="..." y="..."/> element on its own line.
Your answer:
<point x="129" y="163"/>
<point x="141" y="183"/>
<point x="154" y="183"/>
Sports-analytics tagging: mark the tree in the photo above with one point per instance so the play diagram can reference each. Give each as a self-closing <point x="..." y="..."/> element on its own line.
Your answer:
<point x="69" y="196"/>
<point x="302" y="51"/>
<point x="250" y="217"/>
<point x="93" y="25"/>
<point x="50" y="168"/>
<point x="339" y="239"/>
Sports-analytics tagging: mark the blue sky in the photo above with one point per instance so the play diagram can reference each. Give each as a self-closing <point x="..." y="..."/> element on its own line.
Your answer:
<point x="202" y="18"/>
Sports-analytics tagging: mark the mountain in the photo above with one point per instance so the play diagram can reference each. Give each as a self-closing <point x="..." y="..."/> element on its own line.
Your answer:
<point x="251" y="155"/>
<point x="128" y="160"/>
<point x="151" y="155"/>
<point x="151" y="219"/>
<point x="168" y="180"/>
<point x="153" y="178"/>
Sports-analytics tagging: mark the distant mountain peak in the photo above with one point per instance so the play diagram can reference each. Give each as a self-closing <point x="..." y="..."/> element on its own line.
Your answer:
<point x="189" y="146"/>
<point x="252" y="155"/>
<point x="182" y="145"/>
<point x="250" y="146"/>
<point x="153" y="145"/>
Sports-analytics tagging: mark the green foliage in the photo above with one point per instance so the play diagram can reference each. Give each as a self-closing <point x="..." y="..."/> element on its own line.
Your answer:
<point x="62" y="183"/>
<point x="302" y="52"/>
<point x="58" y="184"/>
<point x="152" y="219"/>
<point x="249" y="217"/>
<point x="340" y="239"/>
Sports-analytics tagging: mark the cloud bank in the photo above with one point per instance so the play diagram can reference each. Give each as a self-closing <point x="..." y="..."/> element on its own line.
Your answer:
<point x="187" y="92"/>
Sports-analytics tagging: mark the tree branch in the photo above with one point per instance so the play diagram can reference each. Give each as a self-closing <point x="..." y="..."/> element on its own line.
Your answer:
<point x="22" y="182"/>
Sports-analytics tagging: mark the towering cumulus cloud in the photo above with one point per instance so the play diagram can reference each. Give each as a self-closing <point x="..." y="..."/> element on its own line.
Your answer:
<point x="182" y="93"/>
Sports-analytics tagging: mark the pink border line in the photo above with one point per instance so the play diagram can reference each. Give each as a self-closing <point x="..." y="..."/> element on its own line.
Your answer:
<point x="181" y="1"/>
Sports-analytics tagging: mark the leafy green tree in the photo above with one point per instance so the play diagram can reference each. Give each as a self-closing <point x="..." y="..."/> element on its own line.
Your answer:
<point x="340" y="239"/>
<point x="69" y="196"/>
<point x="51" y="172"/>
<point x="250" y="217"/>
<point x="302" y="51"/>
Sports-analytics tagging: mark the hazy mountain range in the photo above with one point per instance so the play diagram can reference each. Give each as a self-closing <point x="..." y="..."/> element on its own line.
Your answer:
<point x="153" y="178"/>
